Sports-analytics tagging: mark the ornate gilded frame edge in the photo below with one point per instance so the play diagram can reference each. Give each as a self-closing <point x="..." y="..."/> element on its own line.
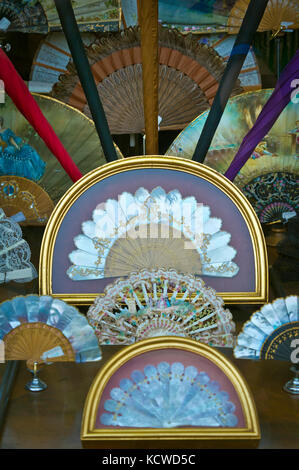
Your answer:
<point x="89" y="433"/>
<point x="259" y="296"/>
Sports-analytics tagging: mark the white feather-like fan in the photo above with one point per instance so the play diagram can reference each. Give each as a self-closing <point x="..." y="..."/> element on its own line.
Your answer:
<point x="151" y="230"/>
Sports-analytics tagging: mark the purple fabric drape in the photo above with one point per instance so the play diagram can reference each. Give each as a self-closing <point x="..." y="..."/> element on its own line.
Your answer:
<point x="284" y="91"/>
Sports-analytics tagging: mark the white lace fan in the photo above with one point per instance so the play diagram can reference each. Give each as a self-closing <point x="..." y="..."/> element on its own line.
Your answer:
<point x="151" y="230"/>
<point x="160" y="303"/>
<point x="15" y="253"/>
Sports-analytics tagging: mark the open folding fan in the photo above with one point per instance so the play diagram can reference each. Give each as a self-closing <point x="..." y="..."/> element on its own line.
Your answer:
<point x="279" y="15"/>
<point x="25" y="197"/>
<point x="24" y="16"/>
<point x="160" y="303"/>
<point x="15" y="253"/>
<point x="168" y="395"/>
<point x="41" y="16"/>
<point x="192" y="15"/>
<point x="249" y="77"/>
<point x="52" y="57"/>
<point x="76" y="132"/>
<point x="189" y="74"/>
<point x="151" y="230"/>
<point x="44" y="330"/>
<point x="273" y="333"/>
<point x="269" y="178"/>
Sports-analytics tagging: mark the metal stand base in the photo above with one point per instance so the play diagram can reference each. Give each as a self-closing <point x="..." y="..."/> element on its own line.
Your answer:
<point x="36" y="384"/>
<point x="292" y="386"/>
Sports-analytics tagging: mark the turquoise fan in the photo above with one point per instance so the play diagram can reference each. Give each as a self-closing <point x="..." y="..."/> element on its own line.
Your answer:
<point x="44" y="329"/>
<point x="168" y="396"/>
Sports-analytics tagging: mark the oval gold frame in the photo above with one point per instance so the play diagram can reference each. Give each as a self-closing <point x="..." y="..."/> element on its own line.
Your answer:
<point x="259" y="296"/>
<point x="92" y="437"/>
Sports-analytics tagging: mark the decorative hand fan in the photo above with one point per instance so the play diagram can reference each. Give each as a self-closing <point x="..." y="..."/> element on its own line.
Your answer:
<point x="269" y="177"/>
<point x="160" y="303"/>
<point x="277" y="13"/>
<point x="194" y="15"/>
<point x="14" y="253"/>
<point x="189" y="78"/>
<point x="53" y="56"/>
<point x="26" y="155"/>
<point x="249" y="77"/>
<point x="44" y="329"/>
<point x="167" y="396"/>
<point x="22" y="195"/>
<point x="32" y="16"/>
<point x="273" y="333"/>
<point x="151" y="231"/>
<point x="25" y="16"/>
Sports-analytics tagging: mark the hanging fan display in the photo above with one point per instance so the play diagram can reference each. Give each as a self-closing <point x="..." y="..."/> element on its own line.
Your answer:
<point x="193" y="15"/>
<point x="269" y="332"/>
<point x="269" y="178"/>
<point x="52" y="57"/>
<point x="44" y="329"/>
<point x="151" y="230"/>
<point x="249" y="77"/>
<point x="189" y="74"/>
<point x="20" y="195"/>
<point x="15" y="253"/>
<point x="168" y="395"/>
<point x="273" y="333"/>
<point x="32" y="16"/>
<point x="160" y="303"/>
<point x="278" y="15"/>
<point x="24" y="16"/>
<point x="24" y="154"/>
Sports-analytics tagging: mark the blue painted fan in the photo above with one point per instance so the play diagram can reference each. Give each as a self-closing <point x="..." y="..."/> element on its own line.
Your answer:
<point x="168" y="396"/>
<point x="43" y="330"/>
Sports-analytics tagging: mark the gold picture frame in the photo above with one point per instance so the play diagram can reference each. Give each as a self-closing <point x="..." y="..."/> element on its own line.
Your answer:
<point x="180" y="437"/>
<point x="258" y="296"/>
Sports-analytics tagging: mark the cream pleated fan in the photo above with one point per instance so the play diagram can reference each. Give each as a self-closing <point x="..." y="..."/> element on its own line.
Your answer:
<point x="276" y="14"/>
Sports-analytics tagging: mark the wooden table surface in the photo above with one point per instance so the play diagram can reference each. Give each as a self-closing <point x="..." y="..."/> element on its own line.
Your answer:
<point x="52" y="419"/>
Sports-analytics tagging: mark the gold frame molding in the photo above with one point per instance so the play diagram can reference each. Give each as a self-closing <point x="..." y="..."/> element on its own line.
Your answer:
<point x="92" y="437"/>
<point x="259" y="296"/>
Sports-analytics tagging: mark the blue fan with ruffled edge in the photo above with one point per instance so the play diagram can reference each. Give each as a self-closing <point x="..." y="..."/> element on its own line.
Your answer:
<point x="168" y="396"/>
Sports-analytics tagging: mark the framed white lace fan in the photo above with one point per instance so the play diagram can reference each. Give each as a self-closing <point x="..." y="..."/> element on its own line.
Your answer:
<point x="162" y="390"/>
<point x="160" y="303"/>
<point x="158" y="212"/>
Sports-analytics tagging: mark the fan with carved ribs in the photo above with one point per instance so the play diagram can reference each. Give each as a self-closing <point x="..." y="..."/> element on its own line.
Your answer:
<point x="160" y="303"/>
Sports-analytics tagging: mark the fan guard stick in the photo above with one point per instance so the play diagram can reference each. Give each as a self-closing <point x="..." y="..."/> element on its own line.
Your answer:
<point x="73" y="37"/>
<point x="243" y="41"/>
<point x="148" y="20"/>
